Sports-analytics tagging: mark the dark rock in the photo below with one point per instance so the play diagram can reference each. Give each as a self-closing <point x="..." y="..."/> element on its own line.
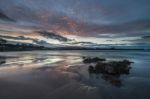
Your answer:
<point x="92" y="60"/>
<point x="2" y="62"/>
<point x="113" y="67"/>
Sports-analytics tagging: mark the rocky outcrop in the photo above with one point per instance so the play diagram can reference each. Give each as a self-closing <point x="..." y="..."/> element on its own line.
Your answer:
<point x="110" y="71"/>
<point x="112" y="67"/>
<point x="92" y="60"/>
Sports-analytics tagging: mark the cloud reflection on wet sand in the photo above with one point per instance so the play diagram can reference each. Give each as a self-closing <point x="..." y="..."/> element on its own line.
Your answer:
<point x="54" y="75"/>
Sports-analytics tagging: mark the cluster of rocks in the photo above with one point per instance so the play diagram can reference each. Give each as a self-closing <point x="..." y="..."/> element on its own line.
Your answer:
<point x="113" y="67"/>
<point x="108" y="67"/>
<point x="109" y="70"/>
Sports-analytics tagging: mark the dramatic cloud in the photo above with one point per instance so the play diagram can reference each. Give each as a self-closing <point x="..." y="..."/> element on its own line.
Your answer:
<point x="106" y="20"/>
<point x="4" y="17"/>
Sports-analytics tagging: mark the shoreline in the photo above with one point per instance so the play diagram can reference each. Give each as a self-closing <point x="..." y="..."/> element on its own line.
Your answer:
<point x="80" y="50"/>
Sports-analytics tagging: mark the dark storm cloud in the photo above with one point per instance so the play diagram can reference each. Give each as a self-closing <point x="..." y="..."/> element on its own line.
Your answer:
<point x="5" y="17"/>
<point x="53" y="36"/>
<point x="146" y="37"/>
<point x="16" y="38"/>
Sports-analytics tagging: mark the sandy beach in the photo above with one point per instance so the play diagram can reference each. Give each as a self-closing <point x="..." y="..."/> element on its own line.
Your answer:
<point x="63" y="75"/>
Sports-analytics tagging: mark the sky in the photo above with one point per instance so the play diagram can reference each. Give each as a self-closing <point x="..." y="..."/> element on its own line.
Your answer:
<point x="80" y="21"/>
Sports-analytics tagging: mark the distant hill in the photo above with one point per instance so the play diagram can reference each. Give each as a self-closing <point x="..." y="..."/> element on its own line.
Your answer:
<point x="5" y="46"/>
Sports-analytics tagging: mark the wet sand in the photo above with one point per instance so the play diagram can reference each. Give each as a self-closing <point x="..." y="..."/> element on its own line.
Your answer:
<point x="54" y="75"/>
